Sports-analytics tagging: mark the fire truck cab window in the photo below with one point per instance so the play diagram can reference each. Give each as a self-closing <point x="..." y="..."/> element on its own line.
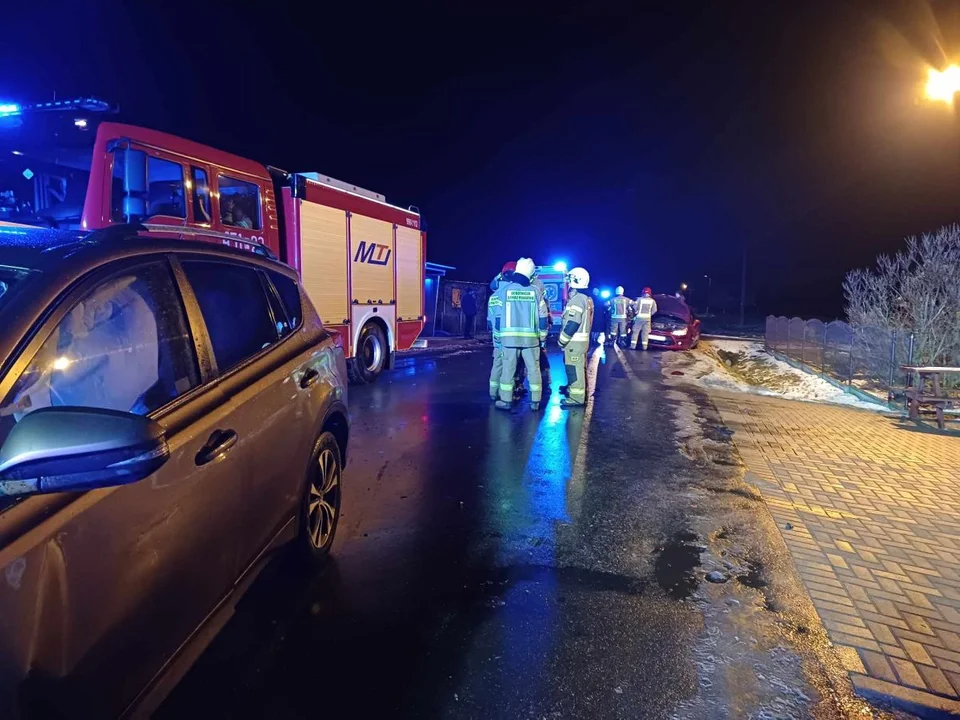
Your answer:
<point x="201" y="196"/>
<point x="239" y="203"/>
<point x="165" y="188"/>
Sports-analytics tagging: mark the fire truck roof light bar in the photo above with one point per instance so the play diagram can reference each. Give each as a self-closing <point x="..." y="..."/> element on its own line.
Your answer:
<point x="90" y="104"/>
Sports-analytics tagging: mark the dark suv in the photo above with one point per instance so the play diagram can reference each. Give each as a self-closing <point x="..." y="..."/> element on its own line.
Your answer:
<point x="170" y="413"/>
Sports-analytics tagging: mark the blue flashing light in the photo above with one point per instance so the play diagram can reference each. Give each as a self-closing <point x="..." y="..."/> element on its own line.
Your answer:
<point x="7" y="109"/>
<point x="428" y="281"/>
<point x="560" y="266"/>
<point x="604" y="294"/>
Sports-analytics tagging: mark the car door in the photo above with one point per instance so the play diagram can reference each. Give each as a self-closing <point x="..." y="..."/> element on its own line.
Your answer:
<point x="111" y="582"/>
<point x="266" y="378"/>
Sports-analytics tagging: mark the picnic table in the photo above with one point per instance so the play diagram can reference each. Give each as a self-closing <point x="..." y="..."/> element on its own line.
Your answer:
<point x="937" y="399"/>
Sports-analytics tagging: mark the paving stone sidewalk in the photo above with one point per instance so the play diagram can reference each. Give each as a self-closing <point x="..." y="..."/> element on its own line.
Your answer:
<point x="870" y="509"/>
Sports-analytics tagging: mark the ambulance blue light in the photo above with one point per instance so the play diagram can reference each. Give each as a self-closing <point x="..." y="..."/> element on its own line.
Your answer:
<point x="560" y="266"/>
<point x="9" y="109"/>
<point x="604" y="294"/>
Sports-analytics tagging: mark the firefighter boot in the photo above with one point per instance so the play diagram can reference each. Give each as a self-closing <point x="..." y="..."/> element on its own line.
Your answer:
<point x="535" y="407"/>
<point x="501" y="405"/>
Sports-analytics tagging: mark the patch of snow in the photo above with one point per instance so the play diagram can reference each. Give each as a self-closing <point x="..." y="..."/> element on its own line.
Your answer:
<point x="744" y="366"/>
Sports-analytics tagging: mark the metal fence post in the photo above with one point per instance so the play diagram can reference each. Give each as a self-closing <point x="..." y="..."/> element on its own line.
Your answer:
<point x="853" y="338"/>
<point x="910" y="350"/>
<point x="803" y="341"/>
<point x="893" y="360"/>
<point x="823" y="353"/>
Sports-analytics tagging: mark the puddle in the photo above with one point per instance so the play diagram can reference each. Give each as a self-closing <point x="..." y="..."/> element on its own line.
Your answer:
<point x="676" y="561"/>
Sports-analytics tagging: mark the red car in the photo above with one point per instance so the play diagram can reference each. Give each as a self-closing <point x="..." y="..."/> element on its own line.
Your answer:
<point x="674" y="326"/>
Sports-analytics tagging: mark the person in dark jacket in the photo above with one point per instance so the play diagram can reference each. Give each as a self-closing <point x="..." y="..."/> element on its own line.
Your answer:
<point x="468" y="304"/>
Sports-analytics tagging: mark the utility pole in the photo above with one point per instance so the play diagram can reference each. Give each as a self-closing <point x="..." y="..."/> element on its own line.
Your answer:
<point x="743" y="285"/>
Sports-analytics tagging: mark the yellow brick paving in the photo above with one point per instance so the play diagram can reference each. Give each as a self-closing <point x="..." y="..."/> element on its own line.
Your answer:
<point x="870" y="511"/>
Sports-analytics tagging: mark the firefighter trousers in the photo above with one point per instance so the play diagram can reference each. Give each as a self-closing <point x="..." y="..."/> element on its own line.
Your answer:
<point x="575" y="362"/>
<point x="641" y="331"/>
<point x="530" y="357"/>
<point x="496" y="371"/>
<point x="618" y="329"/>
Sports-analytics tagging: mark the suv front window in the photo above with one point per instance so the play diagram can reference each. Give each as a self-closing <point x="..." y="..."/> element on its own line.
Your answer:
<point x="125" y="346"/>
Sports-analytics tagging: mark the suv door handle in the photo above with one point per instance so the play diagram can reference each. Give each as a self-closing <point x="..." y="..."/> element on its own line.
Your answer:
<point x="309" y="378"/>
<point x="219" y="443"/>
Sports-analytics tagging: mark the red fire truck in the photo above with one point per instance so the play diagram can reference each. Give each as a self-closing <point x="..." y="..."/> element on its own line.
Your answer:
<point x="360" y="258"/>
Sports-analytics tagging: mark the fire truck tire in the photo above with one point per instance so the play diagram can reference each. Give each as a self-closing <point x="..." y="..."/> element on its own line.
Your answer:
<point x="370" y="357"/>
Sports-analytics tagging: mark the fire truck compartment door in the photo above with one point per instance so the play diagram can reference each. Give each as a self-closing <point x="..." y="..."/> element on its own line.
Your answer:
<point x="409" y="274"/>
<point x="372" y="260"/>
<point x="324" y="260"/>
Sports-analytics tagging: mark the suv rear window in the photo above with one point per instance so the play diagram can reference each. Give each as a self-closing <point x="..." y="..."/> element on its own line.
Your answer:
<point x="234" y="305"/>
<point x="289" y="293"/>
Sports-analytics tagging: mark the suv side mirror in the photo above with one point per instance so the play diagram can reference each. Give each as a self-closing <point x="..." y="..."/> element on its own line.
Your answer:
<point x="77" y="448"/>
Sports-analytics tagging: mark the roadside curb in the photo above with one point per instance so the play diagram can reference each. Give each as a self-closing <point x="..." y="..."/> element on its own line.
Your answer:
<point x="922" y="704"/>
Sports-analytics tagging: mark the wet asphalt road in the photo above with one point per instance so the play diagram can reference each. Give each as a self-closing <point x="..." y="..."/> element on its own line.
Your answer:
<point x="487" y="564"/>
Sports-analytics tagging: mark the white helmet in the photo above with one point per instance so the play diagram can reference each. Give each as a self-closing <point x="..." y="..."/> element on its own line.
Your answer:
<point x="525" y="267"/>
<point x="579" y="278"/>
<point x="619" y="289"/>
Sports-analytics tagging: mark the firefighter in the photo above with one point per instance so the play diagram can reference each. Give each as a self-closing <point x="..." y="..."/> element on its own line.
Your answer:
<point x="493" y="307"/>
<point x="522" y="323"/>
<point x="646" y="308"/>
<point x="537" y="283"/>
<point x="618" y="317"/>
<point x="575" y="338"/>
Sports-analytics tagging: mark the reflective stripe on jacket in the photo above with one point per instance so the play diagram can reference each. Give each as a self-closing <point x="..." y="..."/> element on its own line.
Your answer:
<point x="618" y="307"/>
<point x="646" y="307"/>
<point x="522" y="318"/>
<point x="577" y="319"/>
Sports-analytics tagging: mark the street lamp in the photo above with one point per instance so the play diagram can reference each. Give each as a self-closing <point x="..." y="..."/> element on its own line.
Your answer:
<point x="683" y="287"/>
<point x="943" y="85"/>
<point x="709" y="291"/>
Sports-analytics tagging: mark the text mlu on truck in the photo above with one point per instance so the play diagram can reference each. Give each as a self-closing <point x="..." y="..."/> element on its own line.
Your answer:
<point x="360" y="258"/>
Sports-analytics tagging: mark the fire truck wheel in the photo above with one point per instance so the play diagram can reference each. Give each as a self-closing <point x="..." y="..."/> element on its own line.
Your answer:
<point x="371" y="354"/>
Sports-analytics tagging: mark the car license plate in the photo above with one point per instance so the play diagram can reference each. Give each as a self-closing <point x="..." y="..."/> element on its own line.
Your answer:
<point x="657" y="338"/>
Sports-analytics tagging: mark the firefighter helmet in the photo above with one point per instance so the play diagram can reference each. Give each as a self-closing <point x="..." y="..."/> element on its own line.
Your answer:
<point x="579" y="278"/>
<point x="509" y="267"/>
<point x="647" y="291"/>
<point x="619" y="289"/>
<point x="525" y="267"/>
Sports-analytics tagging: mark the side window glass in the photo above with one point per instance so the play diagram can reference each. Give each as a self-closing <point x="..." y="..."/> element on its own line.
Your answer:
<point x="289" y="293"/>
<point x="125" y="346"/>
<point x="201" y="196"/>
<point x="165" y="188"/>
<point x="235" y="309"/>
<point x="239" y="203"/>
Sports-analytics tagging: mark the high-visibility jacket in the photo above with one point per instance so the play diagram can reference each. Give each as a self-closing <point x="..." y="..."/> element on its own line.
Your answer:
<point x="646" y="307"/>
<point x="577" y="320"/>
<point x="522" y="316"/>
<point x="536" y="283"/>
<point x="618" y="307"/>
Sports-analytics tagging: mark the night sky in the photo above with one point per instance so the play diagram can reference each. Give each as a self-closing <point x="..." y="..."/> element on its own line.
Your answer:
<point x="651" y="146"/>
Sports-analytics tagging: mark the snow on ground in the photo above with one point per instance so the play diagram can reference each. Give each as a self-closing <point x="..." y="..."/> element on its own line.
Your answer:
<point x="744" y="366"/>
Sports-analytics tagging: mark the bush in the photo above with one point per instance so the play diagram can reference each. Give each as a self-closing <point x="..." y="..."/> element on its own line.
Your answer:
<point x="915" y="291"/>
